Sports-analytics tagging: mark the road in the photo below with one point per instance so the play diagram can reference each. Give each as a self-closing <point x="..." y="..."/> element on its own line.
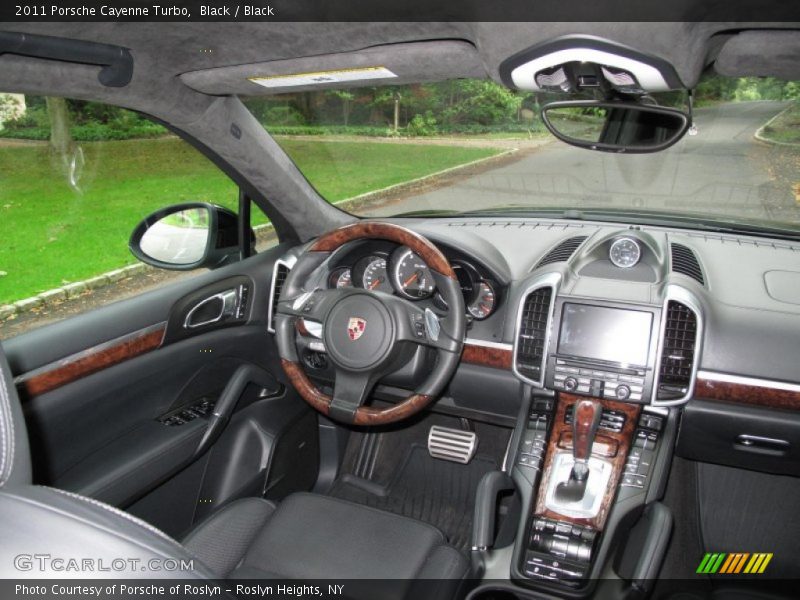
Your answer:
<point x="722" y="170"/>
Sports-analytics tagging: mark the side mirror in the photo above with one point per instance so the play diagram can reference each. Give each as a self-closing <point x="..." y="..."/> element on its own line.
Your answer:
<point x="187" y="236"/>
<point x="615" y="126"/>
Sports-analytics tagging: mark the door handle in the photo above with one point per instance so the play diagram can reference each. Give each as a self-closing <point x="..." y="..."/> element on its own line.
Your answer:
<point x="763" y="445"/>
<point x="214" y="309"/>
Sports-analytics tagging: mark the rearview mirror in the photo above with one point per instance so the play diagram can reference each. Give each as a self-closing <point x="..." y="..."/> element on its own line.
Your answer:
<point x="187" y="236"/>
<point x="615" y="126"/>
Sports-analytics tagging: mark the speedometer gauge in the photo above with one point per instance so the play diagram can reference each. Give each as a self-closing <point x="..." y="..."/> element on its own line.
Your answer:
<point x="625" y="252"/>
<point x="375" y="276"/>
<point x="483" y="304"/>
<point x="411" y="276"/>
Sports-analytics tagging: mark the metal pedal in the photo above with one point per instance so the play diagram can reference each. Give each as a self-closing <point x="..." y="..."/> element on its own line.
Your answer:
<point x="452" y="444"/>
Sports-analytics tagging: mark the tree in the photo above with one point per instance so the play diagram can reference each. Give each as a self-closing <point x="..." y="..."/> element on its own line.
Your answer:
<point x="347" y="103"/>
<point x="12" y="107"/>
<point x="61" y="142"/>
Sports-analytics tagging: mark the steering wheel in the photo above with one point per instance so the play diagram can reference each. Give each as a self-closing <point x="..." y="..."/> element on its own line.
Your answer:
<point x="368" y="334"/>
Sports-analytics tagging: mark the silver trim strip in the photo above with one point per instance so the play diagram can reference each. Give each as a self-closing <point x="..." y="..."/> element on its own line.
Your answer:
<point x="288" y="261"/>
<point x="507" y="455"/>
<point x="656" y="410"/>
<point x="551" y="280"/>
<point x="488" y="344"/>
<point x="752" y="381"/>
<point x="688" y="299"/>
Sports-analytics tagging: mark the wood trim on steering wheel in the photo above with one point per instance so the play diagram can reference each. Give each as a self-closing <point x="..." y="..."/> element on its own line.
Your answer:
<point x="364" y="414"/>
<point x="387" y="231"/>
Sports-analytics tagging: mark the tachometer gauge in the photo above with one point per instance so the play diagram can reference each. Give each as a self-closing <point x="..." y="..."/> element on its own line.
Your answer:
<point x="376" y="277"/>
<point x="625" y="252"/>
<point x="483" y="304"/>
<point x="411" y="276"/>
<point x="340" y="278"/>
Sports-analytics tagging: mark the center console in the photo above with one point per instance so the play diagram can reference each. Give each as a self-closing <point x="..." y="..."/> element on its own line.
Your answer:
<point x="563" y="534"/>
<point x="594" y="451"/>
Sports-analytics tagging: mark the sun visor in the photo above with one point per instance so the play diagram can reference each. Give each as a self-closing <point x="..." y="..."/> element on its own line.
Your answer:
<point x="379" y="65"/>
<point x="573" y="63"/>
<point x="761" y="54"/>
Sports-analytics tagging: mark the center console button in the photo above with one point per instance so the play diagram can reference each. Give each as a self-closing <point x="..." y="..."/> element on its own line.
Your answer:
<point x="570" y="384"/>
<point x="589" y="535"/>
<point x="559" y="547"/>
<point x="584" y="552"/>
<point x="562" y="527"/>
<point x="623" y="392"/>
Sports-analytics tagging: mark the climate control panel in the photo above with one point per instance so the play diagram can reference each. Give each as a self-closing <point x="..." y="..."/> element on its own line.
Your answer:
<point x="577" y="378"/>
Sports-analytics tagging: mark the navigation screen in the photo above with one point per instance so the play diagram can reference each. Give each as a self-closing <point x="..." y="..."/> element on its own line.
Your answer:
<point x="609" y="334"/>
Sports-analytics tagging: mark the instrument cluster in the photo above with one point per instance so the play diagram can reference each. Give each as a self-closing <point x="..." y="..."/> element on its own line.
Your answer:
<point x="403" y="273"/>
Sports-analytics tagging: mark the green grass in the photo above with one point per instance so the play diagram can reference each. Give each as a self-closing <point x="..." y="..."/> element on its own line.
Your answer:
<point x="786" y="128"/>
<point x="342" y="170"/>
<point x="51" y="235"/>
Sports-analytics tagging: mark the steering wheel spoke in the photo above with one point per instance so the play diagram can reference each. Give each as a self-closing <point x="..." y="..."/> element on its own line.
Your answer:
<point x="350" y="391"/>
<point x="420" y="325"/>
<point x="313" y="305"/>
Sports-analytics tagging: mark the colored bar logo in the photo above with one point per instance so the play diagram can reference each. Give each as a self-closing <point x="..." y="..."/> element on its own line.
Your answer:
<point x="734" y="563"/>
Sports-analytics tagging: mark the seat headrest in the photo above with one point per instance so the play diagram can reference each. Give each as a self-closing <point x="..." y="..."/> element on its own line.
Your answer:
<point x="15" y="461"/>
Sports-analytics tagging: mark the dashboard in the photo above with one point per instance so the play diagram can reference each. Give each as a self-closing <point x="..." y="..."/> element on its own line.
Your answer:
<point x="649" y="315"/>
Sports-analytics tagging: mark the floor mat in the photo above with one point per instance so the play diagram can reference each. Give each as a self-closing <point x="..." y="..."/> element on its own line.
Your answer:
<point x="409" y="482"/>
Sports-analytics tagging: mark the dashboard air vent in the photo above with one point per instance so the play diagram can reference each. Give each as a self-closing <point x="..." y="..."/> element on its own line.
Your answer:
<point x="278" y="279"/>
<point x="533" y="333"/>
<point x="563" y="251"/>
<point x="678" y="352"/>
<point x="684" y="261"/>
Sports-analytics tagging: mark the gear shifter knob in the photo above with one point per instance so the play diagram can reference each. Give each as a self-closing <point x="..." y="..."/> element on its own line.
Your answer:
<point x="585" y="421"/>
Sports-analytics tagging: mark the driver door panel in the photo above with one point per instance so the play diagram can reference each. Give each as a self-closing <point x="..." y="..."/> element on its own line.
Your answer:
<point x="97" y="421"/>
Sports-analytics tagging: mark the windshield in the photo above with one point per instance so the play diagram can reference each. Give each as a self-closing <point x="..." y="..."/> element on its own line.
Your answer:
<point x="473" y="145"/>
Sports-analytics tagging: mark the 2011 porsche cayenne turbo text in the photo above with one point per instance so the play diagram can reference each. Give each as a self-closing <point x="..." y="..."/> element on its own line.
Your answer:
<point x="53" y="10"/>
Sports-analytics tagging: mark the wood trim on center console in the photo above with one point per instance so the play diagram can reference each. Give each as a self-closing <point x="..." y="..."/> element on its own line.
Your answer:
<point x="622" y="439"/>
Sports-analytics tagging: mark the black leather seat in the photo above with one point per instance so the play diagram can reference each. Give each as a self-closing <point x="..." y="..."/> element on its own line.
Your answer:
<point x="307" y="536"/>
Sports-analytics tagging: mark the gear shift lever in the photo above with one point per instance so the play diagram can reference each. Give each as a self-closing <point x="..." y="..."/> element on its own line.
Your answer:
<point x="585" y="420"/>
